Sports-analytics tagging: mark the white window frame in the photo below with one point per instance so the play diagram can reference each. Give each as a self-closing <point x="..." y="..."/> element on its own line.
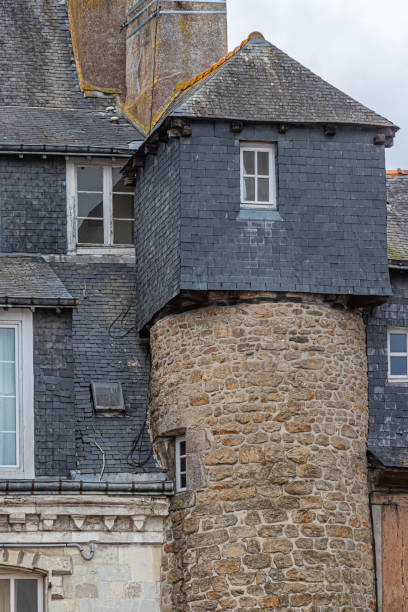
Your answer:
<point x="72" y="206"/>
<point x="15" y="576"/>
<point x="257" y="147"/>
<point x="22" y="321"/>
<point x="178" y="441"/>
<point x="394" y="377"/>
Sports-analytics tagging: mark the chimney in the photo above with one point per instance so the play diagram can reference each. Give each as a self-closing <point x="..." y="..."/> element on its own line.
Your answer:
<point x="98" y="44"/>
<point x="168" y="42"/>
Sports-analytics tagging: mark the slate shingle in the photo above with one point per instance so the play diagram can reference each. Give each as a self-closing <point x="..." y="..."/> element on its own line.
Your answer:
<point x="40" y="99"/>
<point x="261" y="83"/>
<point x="30" y="278"/>
<point x="397" y="190"/>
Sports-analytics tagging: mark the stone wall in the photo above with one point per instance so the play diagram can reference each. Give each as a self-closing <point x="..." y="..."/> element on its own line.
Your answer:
<point x="273" y="399"/>
<point x="37" y="533"/>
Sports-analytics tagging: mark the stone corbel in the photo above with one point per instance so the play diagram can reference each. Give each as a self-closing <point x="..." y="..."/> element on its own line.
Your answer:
<point x="139" y="522"/>
<point x="78" y="521"/>
<point x="17" y="520"/>
<point x="47" y="521"/>
<point x="109" y="522"/>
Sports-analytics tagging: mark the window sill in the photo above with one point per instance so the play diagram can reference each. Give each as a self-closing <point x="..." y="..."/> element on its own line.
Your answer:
<point x="268" y="214"/>
<point x="398" y="381"/>
<point x="103" y="250"/>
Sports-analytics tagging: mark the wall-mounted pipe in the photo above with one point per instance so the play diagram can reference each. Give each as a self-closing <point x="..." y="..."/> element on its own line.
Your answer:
<point x="86" y="556"/>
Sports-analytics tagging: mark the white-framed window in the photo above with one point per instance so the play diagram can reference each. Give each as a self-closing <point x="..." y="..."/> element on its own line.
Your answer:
<point x="21" y="593"/>
<point x="398" y="354"/>
<point x="258" y="175"/>
<point x="16" y="394"/>
<point x="181" y="467"/>
<point x="100" y="205"/>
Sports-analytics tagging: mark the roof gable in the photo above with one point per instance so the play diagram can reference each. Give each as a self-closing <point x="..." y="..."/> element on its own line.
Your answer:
<point x="259" y="82"/>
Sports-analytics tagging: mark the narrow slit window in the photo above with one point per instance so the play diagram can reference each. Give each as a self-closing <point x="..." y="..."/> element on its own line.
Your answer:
<point x="181" y="464"/>
<point x="398" y="354"/>
<point x="258" y="175"/>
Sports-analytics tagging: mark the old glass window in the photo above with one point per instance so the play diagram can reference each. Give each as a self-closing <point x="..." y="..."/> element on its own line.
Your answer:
<point x="100" y="205"/>
<point x="181" y="467"/>
<point x="16" y="394"/>
<point x="398" y="354"/>
<point x="8" y="396"/>
<point x="20" y="593"/>
<point x="258" y="175"/>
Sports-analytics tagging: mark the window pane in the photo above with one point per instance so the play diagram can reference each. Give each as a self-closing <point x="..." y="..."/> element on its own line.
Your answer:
<point x="117" y="182"/>
<point x="7" y="415"/>
<point x="263" y="163"/>
<point x="182" y="464"/>
<point x="26" y="595"/>
<point x="90" y="205"/>
<point x="249" y="162"/>
<point x="399" y="366"/>
<point x="123" y="232"/>
<point x="123" y="206"/>
<point x="7" y="344"/>
<point x="398" y="343"/>
<point x="90" y="178"/>
<point x="249" y="189"/>
<point x="263" y="190"/>
<point x="7" y="379"/>
<point x="183" y="447"/>
<point x="90" y="231"/>
<point x="8" y="455"/>
<point x="5" y="595"/>
<point x="183" y="481"/>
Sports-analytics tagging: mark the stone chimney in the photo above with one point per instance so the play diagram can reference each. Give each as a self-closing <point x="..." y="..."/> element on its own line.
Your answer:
<point x="98" y="44"/>
<point x="167" y="42"/>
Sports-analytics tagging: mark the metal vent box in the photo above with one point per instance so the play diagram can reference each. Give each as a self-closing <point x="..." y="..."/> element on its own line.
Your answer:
<point x="107" y="398"/>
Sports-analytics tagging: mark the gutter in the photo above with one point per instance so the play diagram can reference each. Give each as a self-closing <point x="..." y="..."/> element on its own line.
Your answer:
<point x="35" y="302"/>
<point x="78" y="150"/>
<point x="62" y="487"/>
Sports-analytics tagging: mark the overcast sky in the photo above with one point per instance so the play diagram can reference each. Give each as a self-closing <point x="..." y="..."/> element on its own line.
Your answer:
<point x="360" y="46"/>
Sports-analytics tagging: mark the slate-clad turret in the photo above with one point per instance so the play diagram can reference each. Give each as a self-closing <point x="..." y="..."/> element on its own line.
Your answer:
<point x="261" y="236"/>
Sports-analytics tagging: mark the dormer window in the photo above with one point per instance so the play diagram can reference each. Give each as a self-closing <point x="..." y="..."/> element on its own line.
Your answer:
<point x="100" y="206"/>
<point x="258" y="175"/>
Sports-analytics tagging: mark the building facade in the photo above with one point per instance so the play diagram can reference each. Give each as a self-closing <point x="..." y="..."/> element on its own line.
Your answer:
<point x="195" y="297"/>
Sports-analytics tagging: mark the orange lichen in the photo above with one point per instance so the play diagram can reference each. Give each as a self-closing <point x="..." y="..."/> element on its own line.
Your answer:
<point x="398" y="172"/>
<point x="185" y="86"/>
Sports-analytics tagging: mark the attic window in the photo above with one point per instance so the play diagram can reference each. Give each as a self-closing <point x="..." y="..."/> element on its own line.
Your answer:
<point x="258" y="175"/>
<point x="100" y="205"/>
<point x="107" y="398"/>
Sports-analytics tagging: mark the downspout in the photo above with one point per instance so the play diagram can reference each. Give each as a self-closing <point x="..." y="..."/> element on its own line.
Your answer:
<point x="86" y="556"/>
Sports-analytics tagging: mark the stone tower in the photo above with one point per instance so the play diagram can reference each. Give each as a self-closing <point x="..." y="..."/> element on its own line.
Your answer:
<point x="259" y="197"/>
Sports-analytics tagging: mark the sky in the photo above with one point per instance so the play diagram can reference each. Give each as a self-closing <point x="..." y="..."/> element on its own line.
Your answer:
<point x="360" y="46"/>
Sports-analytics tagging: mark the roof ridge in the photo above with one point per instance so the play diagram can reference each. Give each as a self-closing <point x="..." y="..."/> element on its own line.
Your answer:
<point x="184" y="86"/>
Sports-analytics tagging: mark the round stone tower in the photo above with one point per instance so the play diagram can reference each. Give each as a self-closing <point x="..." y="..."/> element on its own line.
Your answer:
<point x="272" y="396"/>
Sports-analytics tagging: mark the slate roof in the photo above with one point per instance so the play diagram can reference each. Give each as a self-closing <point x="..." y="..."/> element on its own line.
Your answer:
<point x="31" y="280"/>
<point x="40" y="99"/>
<point x="259" y="82"/>
<point x="397" y="224"/>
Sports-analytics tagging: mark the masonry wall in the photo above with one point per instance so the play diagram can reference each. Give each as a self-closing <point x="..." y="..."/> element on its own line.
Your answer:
<point x="273" y="399"/>
<point x="32" y="205"/>
<point x="388" y="433"/>
<point x="55" y="419"/>
<point x="157" y="231"/>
